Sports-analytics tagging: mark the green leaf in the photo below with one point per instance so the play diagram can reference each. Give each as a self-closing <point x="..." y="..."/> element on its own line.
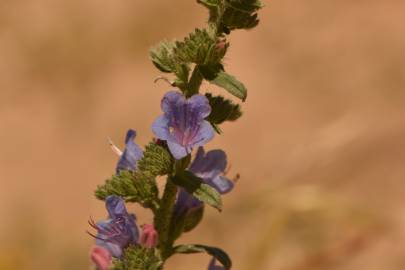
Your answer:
<point x="231" y="84"/>
<point x="165" y="59"/>
<point x="241" y="14"/>
<point x="195" y="186"/>
<point x="222" y="109"/>
<point x="232" y="14"/>
<point x="209" y="195"/>
<point x="162" y="56"/>
<point x="139" y="187"/>
<point x="138" y="258"/>
<point x="214" y="7"/>
<point x="156" y="160"/>
<point x="182" y="72"/>
<point x="247" y="6"/>
<point x="217" y="253"/>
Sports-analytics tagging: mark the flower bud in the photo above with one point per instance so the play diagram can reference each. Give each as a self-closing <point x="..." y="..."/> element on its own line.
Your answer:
<point x="221" y="47"/>
<point x="101" y="258"/>
<point x="149" y="236"/>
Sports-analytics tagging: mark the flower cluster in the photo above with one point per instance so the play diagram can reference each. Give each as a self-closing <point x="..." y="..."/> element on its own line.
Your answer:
<point x="195" y="177"/>
<point x="114" y="234"/>
<point x="183" y="127"/>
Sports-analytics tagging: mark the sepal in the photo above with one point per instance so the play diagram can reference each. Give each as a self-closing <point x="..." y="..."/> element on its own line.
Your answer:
<point x="156" y="160"/>
<point x="138" y="258"/>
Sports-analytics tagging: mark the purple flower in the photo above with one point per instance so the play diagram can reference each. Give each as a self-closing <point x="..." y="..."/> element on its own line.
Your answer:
<point x="132" y="153"/>
<point x="213" y="266"/>
<point x="117" y="232"/>
<point x="182" y="125"/>
<point x="210" y="167"/>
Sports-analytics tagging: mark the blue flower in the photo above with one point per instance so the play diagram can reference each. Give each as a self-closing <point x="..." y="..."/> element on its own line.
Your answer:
<point x="213" y="266"/>
<point x="210" y="167"/>
<point x="182" y="125"/>
<point x="132" y="153"/>
<point x="117" y="232"/>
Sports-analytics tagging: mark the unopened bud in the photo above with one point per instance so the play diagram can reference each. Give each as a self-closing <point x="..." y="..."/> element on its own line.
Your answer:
<point x="221" y="46"/>
<point x="149" y="236"/>
<point x="101" y="257"/>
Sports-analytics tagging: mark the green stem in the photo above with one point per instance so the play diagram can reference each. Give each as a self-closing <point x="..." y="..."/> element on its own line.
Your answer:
<point x="164" y="217"/>
<point x="195" y="82"/>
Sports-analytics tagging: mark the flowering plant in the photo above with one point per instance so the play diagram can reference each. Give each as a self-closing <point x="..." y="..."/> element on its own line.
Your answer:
<point x="189" y="121"/>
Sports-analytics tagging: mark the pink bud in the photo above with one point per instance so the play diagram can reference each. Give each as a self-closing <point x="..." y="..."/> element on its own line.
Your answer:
<point x="149" y="236"/>
<point x="221" y="46"/>
<point x="101" y="257"/>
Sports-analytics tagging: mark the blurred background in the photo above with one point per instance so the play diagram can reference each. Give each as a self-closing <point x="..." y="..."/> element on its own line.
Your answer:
<point x="320" y="149"/>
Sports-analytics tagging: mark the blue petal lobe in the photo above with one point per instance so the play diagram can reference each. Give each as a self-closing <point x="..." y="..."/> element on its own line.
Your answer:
<point x="131" y="154"/>
<point x="178" y="151"/>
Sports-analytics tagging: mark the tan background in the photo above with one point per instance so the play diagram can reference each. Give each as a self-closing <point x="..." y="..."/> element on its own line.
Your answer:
<point x="321" y="147"/>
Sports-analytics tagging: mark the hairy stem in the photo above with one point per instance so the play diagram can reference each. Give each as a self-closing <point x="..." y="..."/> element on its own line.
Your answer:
<point x="164" y="216"/>
<point x="195" y="82"/>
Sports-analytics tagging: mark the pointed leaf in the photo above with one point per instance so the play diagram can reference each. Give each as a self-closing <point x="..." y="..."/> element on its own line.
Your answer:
<point x="217" y="253"/>
<point x="231" y="84"/>
<point x="241" y="14"/>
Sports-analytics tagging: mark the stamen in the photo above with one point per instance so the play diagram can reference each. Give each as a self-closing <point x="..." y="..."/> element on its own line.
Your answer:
<point x="114" y="148"/>
<point x="172" y="83"/>
<point x="93" y="224"/>
<point x="106" y="231"/>
<point x="95" y="236"/>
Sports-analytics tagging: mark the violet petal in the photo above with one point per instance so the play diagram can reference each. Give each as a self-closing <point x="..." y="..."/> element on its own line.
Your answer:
<point x="131" y="154"/>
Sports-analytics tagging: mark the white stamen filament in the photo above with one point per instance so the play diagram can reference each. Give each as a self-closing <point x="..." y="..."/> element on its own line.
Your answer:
<point x="114" y="148"/>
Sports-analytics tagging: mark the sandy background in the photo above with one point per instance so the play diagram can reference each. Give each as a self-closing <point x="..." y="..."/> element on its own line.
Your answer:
<point x="321" y="146"/>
